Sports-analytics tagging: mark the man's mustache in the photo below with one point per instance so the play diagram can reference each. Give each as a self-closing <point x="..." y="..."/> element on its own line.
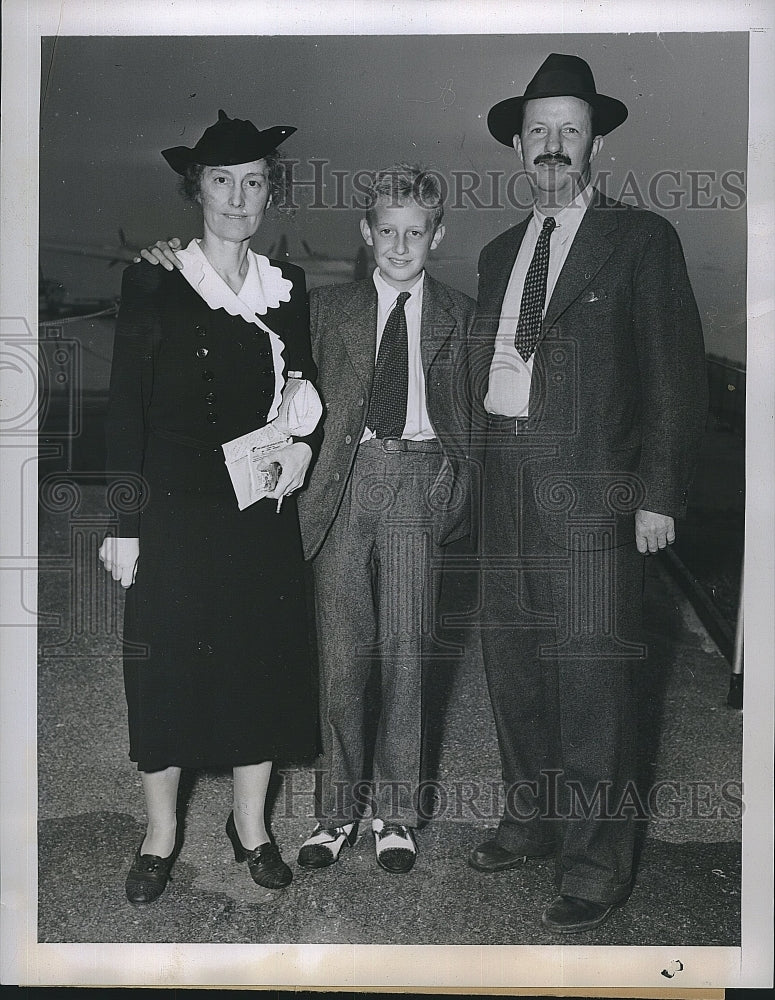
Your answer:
<point x="552" y="158"/>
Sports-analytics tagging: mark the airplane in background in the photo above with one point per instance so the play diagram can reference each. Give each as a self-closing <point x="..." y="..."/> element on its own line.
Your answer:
<point x="321" y="268"/>
<point x="54" y="303"/>
<point x="123" y="253"/>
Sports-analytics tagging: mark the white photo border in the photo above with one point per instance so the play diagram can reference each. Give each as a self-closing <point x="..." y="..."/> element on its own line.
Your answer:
<point x="26" y="962"/>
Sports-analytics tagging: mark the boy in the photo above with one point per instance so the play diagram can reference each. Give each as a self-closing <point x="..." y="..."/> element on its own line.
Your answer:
<point x="390" y="486"/>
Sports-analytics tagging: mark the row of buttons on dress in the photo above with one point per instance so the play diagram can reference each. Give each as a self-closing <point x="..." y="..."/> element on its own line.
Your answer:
<point x="207" y="375"/>
<point x="268" y="372"/>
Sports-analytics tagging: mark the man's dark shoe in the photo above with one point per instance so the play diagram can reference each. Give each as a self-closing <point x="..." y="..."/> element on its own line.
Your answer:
<point x="571" y="914"/>
<point x="491" y="857"/>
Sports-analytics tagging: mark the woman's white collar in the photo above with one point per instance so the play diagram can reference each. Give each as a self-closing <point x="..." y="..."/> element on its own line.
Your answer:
<point x="264" y="286"/>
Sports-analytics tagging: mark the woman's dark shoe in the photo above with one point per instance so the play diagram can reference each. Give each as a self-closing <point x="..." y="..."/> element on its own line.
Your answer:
<point x="148" y="876"/>
<point x="266" y="866"/>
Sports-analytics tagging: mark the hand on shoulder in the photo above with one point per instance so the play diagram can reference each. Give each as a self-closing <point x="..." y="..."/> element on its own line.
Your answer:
<point x="162" y="252"/>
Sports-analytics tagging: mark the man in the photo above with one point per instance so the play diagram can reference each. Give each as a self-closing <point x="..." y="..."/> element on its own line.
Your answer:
<point x="590" y="400"/>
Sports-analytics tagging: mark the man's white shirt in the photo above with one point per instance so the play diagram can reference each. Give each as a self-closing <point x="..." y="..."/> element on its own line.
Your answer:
<point x="508" y="387"/>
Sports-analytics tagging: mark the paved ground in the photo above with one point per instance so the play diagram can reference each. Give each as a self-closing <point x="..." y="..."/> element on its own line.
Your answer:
<point x="91" y="810"/>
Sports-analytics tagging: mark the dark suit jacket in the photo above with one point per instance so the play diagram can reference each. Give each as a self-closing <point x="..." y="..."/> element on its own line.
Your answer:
<point x="343" y="325"/>
<point x="618" y="398"/>
<point x="171" y="409"/>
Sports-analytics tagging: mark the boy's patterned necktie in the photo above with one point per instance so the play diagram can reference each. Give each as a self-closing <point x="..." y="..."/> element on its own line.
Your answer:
<point x="531" y="308"/>
<point x="387" y="408"/>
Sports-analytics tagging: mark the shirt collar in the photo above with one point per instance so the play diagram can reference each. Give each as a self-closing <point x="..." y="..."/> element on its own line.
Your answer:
<point x="568" y="219"/>
<point x="387" y="295"/>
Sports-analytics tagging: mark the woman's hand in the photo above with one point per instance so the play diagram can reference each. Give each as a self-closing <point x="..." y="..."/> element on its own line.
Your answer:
<point x="294" y="459"/>
<point x="162" y="253"/>
<point x="119" y="557"/>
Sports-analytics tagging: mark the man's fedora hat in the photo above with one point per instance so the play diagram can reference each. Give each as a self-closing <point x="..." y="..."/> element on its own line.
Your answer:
<point x="559" y="76"/>
<point x="227" y="142"/>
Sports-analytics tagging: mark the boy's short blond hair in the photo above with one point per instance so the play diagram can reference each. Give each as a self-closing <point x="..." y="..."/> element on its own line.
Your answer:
<point x="407" y="182"/>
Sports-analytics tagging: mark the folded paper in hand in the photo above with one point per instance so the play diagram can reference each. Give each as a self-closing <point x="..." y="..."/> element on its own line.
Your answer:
<point x="247" y="456"/>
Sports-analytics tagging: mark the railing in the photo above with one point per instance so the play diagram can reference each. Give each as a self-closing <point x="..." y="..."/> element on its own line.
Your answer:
<point x="712" y="576"/>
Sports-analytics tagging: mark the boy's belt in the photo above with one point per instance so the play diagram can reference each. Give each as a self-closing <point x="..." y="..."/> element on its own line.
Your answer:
<point x="403" y="444"/>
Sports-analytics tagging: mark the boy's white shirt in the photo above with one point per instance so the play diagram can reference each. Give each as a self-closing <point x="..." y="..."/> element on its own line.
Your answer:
<point x="418" y="425"/>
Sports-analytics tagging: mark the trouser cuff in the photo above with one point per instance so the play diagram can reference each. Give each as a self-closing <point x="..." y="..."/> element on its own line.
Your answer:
<point x="594" y="891"/>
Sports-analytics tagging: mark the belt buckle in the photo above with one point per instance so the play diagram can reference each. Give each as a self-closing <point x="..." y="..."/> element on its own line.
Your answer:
<point x="393" y="444"/>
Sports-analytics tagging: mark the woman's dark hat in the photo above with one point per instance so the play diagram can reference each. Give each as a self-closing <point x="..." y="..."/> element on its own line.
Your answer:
<point x="559" y="76"/>
<point x="227" y="142"/>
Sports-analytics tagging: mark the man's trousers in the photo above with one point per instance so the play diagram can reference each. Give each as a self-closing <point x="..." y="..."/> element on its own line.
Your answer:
<point x="561" y="639"/>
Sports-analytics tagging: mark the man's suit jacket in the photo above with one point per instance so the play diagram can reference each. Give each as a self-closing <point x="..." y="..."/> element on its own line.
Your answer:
<point x="343" y="326"/>
<point x="618" y="397"/>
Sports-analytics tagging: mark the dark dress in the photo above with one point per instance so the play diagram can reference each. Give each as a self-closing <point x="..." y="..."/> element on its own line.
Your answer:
<point x="217" y="665"/>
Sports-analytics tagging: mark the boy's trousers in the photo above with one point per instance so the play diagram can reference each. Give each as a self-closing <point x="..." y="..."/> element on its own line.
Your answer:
<point x="376" y="581"/>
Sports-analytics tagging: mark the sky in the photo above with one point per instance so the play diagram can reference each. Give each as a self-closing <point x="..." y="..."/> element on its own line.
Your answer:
<point x="110" y="104"/>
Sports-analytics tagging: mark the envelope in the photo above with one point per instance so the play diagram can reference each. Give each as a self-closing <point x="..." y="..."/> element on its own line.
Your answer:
<point x="248" y="455"/>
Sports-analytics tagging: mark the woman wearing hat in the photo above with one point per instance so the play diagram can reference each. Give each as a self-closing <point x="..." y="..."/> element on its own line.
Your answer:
<point x="216" y="662"/>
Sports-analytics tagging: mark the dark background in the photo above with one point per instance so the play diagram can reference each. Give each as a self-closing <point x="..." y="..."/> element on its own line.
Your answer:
<point x="109" y="105"/>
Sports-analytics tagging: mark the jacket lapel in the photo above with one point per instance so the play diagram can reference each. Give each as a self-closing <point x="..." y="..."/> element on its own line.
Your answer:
<point x="358" y="327"/>
<point x="595" y="241"/>
<point x="438" y="322"/>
